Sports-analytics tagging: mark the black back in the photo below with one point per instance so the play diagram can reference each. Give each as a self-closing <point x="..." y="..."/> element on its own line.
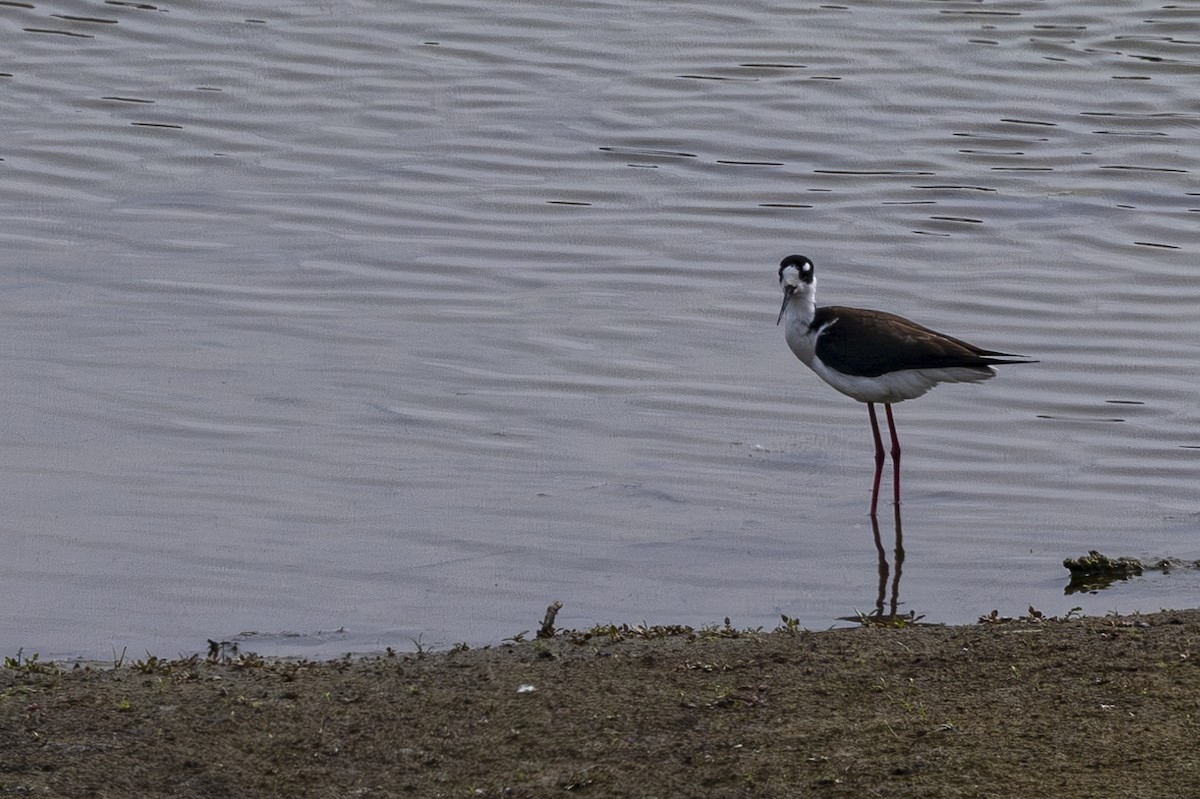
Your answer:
<point x="867" y="343"/>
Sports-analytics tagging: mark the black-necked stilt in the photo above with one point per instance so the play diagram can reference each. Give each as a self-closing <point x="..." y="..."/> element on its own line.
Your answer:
<point x="875" y="356"/>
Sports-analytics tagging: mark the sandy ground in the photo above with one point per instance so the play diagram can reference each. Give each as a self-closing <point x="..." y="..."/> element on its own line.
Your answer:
<point x="1098" y="707"/>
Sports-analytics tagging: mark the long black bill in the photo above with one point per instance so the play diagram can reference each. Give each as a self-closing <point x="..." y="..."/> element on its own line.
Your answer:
<point x="787" y="295"/>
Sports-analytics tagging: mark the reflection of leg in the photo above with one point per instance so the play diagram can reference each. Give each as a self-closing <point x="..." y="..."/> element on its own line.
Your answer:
<point x="899" y="559"/>
<point x="878" y="453"/>
<point x="883" y="569"/>
<point x="887" y="406"/>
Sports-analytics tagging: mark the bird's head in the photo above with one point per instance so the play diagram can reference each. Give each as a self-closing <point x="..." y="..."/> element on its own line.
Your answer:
<point x="795" y="277"/>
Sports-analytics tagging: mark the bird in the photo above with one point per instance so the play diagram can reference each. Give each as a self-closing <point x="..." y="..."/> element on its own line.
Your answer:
<point x="875" y="356"/>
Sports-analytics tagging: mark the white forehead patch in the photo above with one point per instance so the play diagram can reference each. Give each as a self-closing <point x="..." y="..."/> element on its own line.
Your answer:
<point x="791" y="275"/>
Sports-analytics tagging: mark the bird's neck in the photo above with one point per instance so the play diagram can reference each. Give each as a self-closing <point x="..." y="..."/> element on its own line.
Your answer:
<point x="801" y="309"/>
<point x="797" y="325"/>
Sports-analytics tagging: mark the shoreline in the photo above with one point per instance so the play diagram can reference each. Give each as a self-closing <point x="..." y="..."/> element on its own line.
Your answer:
<point x="1080" y="707"/>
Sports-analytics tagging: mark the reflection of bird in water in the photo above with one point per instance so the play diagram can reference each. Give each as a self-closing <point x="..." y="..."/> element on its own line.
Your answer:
<point x="875" y="356"/>
<point x="880" y="616"/>
<point x="886" y="611"/>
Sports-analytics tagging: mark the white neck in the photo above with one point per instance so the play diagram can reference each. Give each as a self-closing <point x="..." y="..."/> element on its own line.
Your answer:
<point x="802" y="306"/>
<point x="797" y="319"/>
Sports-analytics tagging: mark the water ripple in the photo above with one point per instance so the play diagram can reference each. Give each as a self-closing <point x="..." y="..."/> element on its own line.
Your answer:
<point x="339" y="315"/>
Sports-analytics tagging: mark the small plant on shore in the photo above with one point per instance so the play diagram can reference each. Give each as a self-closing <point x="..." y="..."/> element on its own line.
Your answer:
<point x="711" y="631"/>
<point x="29" y="665"/>
<point x="911" y="703"/>
<point x="791" y="625"/>
<point x="247" y="660"/>
<point x="221" y="651"/>
<point x="226" y="653"/>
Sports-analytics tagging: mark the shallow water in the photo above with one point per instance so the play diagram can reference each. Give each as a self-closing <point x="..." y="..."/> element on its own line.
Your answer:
<point x="353" y="324"/>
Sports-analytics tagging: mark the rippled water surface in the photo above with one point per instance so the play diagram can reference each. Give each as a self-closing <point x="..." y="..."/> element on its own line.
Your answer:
<point x="347" y="324"/>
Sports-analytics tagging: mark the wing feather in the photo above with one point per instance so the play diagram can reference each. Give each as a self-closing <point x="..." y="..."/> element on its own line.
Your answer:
<point x="867" y="343"/>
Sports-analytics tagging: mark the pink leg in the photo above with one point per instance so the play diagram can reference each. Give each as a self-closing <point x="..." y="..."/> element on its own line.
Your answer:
<point x="887" y="406"/>
<point x="879" y="456"/>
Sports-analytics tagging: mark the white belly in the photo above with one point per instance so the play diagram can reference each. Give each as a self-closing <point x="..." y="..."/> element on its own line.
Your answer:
<point x="898" y="386"/>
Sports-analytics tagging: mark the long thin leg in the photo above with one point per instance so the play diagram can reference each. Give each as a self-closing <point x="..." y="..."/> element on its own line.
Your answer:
<point x="887" y="406"/>
<point x="879" y="456"/>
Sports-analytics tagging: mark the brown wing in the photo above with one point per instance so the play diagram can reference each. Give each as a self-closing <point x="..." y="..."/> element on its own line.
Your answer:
<point x="871" y="343"/>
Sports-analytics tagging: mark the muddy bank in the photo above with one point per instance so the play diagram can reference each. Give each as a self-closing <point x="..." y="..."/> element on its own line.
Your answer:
<point x="1081" y="708"/>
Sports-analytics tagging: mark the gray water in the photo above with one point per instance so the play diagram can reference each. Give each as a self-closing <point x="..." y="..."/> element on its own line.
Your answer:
<point x="343" y="325"/>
